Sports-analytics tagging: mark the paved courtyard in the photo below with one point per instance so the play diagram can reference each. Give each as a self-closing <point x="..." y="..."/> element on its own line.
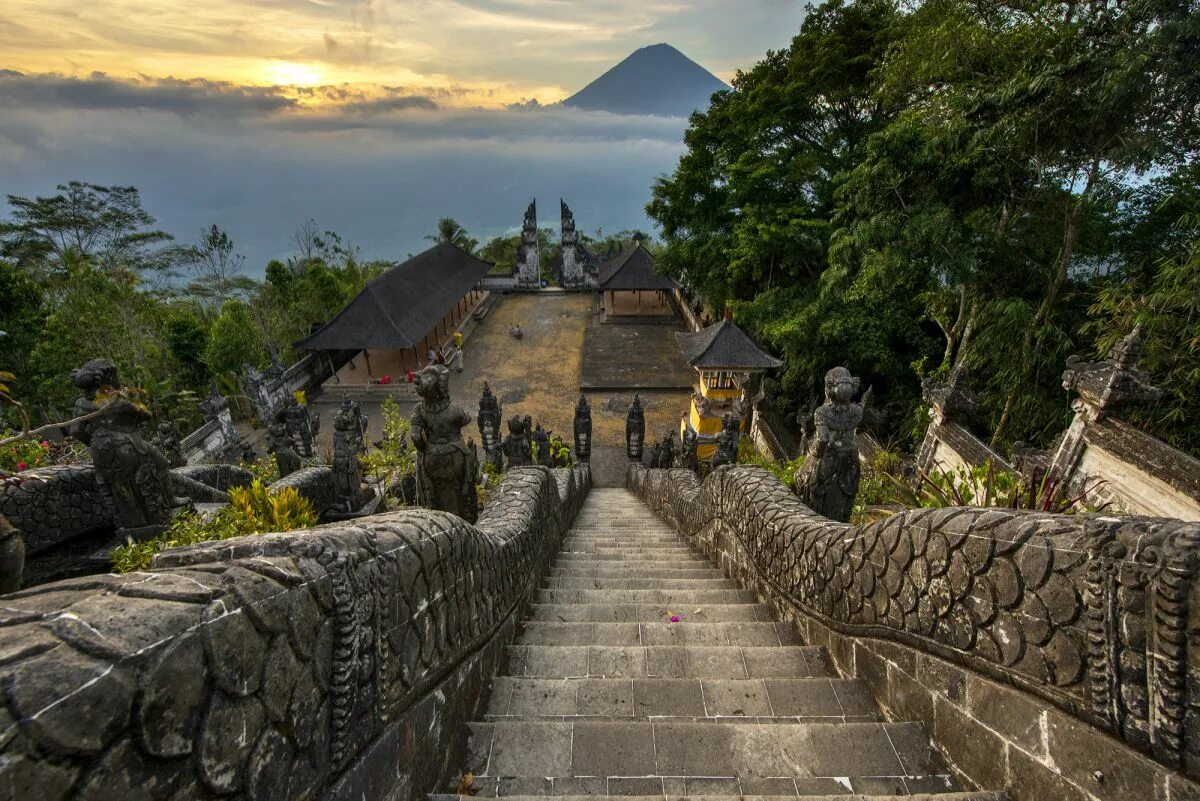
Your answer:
<point x="541" y="375"/>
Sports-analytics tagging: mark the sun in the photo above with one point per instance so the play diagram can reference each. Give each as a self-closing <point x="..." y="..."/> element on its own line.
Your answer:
<point x="289" y="73"/>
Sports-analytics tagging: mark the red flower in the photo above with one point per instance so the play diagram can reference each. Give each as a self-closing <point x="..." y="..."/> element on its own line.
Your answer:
<point x="22" y="466"/>
<point x="45" y="445"/>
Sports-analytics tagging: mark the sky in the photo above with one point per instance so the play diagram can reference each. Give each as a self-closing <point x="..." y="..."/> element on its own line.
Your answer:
<point x="372" y="117"/>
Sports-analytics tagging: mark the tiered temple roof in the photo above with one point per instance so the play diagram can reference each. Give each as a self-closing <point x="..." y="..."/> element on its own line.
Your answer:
<point x="633" y="270"/>
<point x="397" y="309"/>
<point x="724" y="346"/>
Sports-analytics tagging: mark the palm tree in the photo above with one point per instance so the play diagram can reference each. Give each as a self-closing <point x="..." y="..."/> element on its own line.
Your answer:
<point x="451" y="233"/>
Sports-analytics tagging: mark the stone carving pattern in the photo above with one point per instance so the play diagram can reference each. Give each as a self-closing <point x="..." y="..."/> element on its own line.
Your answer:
<point x="263" y="667"/>
<point x="1089" y="612"/>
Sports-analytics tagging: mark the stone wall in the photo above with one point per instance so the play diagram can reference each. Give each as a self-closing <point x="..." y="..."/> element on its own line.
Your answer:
<point x="333" y="663"/>
<point x="314" y="483"/>
<point x="950" y="447"/>
<point x="1050" y="654"/>
<point x="50" y="505"/>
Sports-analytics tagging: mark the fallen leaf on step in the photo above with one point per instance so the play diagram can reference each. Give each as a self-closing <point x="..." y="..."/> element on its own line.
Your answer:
<point x="467" y="785"/>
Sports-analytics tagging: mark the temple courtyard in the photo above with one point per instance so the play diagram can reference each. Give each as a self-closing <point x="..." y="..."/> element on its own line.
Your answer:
<point x="566" y="347"/>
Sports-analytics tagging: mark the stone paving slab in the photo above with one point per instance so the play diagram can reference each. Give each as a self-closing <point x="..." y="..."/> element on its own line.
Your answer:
<point x="649" y="613"/>
<point x="637" y="357"/>
<point x="744" y="634"/>
<point x="701" y="661"/>
<point x="707" y="749"/>
<point x="754" y="700"/>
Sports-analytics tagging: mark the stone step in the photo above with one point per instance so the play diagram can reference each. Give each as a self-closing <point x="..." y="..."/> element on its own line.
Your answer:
<point x="649" y="613"/>
<point x="636" y="583"/>
<point x="731" y="700"/>
<point x="694" y="789"/>
<point x="683" y="571"/>
<point x="668" y="598"/>
<point x="693" y="560"/>
<point x="844" y="752"/>
<point x="666" y="661"/>
<point x="748" y="634"/>
<point x="666" y="550"/>
<point x="572" y="541"/>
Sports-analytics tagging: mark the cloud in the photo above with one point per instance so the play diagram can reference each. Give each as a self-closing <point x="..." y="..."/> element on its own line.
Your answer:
<point x="378" y="170"/>
<point x="100" y="91"/>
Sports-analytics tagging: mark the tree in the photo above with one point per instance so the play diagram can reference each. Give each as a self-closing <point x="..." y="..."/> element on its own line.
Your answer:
<point x="217" y="268"/>
<point x="187" y="340"/>
<point x="449" y="232"/>
<point x="233" y="342"/>
<point x="22" y="313"/>
<point x="107" y="225"/>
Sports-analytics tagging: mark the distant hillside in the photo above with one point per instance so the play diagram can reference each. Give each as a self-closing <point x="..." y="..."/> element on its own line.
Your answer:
<point x="657" y="80"/>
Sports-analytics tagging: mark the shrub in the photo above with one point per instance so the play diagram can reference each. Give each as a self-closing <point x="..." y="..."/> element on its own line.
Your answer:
<point x="252" y="510"/>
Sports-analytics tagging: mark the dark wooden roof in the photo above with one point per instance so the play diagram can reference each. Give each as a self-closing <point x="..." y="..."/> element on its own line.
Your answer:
<point x="633" y="269"/>
<point x="401" y="306"/>
<point x="724" y="345"/>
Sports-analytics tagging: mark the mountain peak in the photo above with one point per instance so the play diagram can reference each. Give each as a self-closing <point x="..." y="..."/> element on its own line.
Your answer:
<point x="656" y="79"/>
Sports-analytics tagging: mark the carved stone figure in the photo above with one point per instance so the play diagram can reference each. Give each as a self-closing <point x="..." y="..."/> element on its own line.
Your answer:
<point x="489" y="426"/>
<point x="517" y="445"/>
<point x="727" y="441"/>
<point x="541" y="441"/>
<point x="166" y="439"/>
<point x="12" y="557"/>
<point x="583" y="429"/>
<point x="635" y="429"/>
<point x="667" y="452"/>
<point x="299" y="426"/>
<point x="828" y="482"/>
<point x="1114" y="383"/>
<point x="281" y="443"/>
<point x="687" y="453"/>
<point x="446" y="466"/>
<point x="134" y="473"/>
<point x="347" y="446"/>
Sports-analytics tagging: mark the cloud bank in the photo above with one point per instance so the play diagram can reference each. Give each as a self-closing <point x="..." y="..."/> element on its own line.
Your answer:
<point x="380" y="168"/>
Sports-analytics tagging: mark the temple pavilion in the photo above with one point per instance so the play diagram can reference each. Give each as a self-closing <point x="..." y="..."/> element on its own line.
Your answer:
<point x="399" y="316"/>
<point x="631" y="288"/>
<point x="725" y="358"/>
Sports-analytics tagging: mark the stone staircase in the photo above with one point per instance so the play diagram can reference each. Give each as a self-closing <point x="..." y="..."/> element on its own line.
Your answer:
<point x="603" y="694"/>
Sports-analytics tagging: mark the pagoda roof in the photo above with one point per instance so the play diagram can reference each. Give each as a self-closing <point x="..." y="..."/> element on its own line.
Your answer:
<point x="400" y="307"/>
<point x="633" y="269"/>
<point x="724" y="346"/>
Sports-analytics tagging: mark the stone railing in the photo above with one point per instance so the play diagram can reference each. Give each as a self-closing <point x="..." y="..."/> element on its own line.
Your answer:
<point x="50" y="505"/>
<point x="1030" y="644"/>
<point x="337" y="662"/>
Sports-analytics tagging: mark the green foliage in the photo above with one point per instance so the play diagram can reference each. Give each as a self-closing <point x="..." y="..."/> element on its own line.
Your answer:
<point x="24" y="454"/>
<point x="233" y="341"/>
<point x="252" y="510"/>
<point x="784" y="471"/>
<point x="910" y="187"/>
<point x="980" y="486"/>
<point x="451" y="233"/>
<point x="393" y="457"/>
<point x="104" y="226"/>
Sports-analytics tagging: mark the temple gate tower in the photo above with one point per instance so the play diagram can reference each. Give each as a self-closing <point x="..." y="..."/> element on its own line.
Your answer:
<point x="529" y="275"/>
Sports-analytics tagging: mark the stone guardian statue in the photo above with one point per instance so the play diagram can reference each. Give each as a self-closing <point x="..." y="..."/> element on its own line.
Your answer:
<point x="446" y="466"/>
<point x="583" y="429"/>
<point x="133" y="472"/>
<point x="635" y="430"/>
<point x="517" y="446"/>
<point x="828" y="481"/>
<point x="347" y="446"/>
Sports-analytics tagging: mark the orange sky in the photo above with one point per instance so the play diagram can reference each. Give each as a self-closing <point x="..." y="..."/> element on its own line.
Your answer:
<point x="467" y="52"/>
